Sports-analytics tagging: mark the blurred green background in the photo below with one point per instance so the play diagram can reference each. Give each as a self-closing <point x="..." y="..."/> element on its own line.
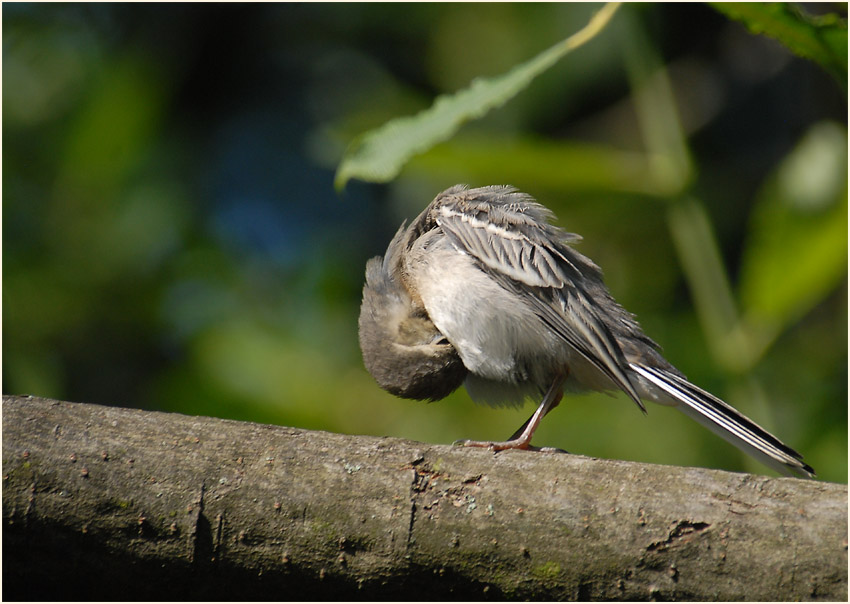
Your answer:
<point x="172" y="239"/>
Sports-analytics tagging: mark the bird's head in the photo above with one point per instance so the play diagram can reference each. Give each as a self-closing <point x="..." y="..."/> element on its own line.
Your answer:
<point x="402" y="349"/>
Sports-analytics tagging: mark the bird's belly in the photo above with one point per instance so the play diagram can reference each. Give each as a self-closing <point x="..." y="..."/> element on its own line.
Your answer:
<point x="496" y="334"/>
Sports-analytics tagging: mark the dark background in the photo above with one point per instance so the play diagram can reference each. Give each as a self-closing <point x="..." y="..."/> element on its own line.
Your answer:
<point x="172" y="239"/>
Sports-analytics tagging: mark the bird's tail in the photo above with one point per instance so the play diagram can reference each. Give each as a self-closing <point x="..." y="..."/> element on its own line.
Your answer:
<point x="726" y="422"/>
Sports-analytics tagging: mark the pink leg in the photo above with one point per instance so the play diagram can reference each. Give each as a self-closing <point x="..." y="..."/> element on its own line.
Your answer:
<point x="519" y="430"/>
<point x="521" y="439"/>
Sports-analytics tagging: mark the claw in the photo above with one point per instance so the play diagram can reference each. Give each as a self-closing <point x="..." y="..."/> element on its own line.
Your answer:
<point x="505" y="445"/>
<point x="521" y="439"/>
<point x="494" y="446"/>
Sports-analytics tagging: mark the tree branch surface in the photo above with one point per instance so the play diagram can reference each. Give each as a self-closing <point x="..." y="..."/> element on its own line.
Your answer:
<point x="107" y="503"/>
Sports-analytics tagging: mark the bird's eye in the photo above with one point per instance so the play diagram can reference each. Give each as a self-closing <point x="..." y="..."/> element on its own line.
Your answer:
<point x="439" y="340"/>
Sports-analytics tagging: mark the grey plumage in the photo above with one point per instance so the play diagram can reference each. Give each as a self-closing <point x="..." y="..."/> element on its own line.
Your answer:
<point x="482" y="289"/>
<point x="403" y="350"/>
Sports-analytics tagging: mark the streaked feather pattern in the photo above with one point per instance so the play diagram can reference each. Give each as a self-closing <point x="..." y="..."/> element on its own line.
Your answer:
<point x="529" y="256"/>
<point x="524" y="312"/>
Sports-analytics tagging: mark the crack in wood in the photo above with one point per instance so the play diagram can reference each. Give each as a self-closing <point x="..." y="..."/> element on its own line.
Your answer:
<point x="683" y="530"/>
<point x="201" y="538"/>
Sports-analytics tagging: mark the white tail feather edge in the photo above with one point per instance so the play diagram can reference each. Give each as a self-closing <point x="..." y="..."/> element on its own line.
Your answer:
<point x="726" y="422"/>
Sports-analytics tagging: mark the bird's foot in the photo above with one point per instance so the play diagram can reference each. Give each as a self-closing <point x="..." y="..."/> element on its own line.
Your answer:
<point x="493" y="446"/>
<point x="507" y="444"/>
<point x="548" y="449"/>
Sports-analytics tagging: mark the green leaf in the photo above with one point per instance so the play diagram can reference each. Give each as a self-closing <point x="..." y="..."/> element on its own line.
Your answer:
<point x="593" y="168"/>
<point x="379" y="155"/>
<point x="656" y="110"/>
<point x="797" y="250"/>
<point x="822" y="39"/>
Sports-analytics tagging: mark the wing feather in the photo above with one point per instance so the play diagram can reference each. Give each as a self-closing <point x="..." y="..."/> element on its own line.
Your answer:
<point x="509" y="234"/>
<point x="505" y="247"/>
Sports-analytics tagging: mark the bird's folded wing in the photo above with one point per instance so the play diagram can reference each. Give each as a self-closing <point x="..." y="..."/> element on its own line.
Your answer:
<point x="514" y="242"/>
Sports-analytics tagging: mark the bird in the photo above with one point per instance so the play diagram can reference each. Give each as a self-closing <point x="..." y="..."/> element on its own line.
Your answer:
<point x="483" y="290"/>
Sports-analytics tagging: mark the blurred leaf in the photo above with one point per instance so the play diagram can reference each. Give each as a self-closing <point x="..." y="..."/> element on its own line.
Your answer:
<point x="112" y="129"/>
<point x="822" y="39"/>
<point x="698" y="251"/>
<point x="379" y="155"/>
<point x="691" y="230"/>
<point x="657" y="113"/>
<point x="44" y="71"/>
<point x="589" y="167"/>
<point x="797" y="250"/>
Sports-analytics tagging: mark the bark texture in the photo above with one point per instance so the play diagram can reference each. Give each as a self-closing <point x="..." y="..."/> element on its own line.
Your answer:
<point x="116" y="504"/>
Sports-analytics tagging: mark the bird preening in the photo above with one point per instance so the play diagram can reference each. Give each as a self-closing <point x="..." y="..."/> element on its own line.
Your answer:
<point x="482" y="290"/>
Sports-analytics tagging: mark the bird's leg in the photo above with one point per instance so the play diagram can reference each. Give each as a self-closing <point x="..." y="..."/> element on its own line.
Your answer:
<point x="521" y="439"/>
<point x="519" y="430"/>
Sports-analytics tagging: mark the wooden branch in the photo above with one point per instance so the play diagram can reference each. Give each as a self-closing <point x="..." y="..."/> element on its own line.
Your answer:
<point x="115" y="504"/>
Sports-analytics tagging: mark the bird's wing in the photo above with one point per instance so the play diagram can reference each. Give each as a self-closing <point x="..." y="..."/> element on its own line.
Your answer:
<point x="509" y="234"/>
